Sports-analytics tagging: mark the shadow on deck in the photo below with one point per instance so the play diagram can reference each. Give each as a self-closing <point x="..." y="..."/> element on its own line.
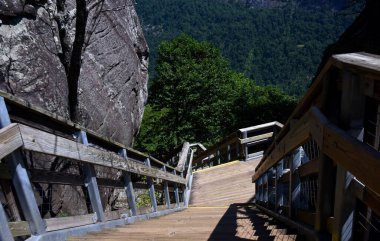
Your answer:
<point x="244" y="221"/>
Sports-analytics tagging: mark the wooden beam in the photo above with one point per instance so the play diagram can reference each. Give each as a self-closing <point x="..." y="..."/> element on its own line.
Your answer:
<point x="360" y="63"/>
<point x="350" y="153"/>
<point x="256" y="138"/>
<point x="39" y="141"/>
<point x="10" y="140"/>
<point x="262" y="126"/>
<point x="69" y="222"/>
<point x="309" y="168"/>
<point x="20" y="228"/>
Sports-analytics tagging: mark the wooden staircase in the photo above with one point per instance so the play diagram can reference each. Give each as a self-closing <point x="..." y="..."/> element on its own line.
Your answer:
<point x="224" y="185"/>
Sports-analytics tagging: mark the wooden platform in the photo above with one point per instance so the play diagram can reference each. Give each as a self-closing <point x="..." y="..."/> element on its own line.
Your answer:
<point x="224" y="185"/>
<point x="196" y="223"/>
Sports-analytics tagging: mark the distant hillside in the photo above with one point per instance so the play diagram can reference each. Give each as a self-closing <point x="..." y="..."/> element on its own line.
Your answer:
<point x="281" y="46"/>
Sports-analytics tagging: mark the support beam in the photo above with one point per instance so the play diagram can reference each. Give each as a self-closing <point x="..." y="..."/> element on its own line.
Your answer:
<point x="152" y="193"/>
<point x="91" y="183"/>
<point x="21" y="182"/>
<point x="128" y="187"/>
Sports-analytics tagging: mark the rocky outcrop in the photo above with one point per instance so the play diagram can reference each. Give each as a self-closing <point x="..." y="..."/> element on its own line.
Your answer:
<point x="86" y="61"/>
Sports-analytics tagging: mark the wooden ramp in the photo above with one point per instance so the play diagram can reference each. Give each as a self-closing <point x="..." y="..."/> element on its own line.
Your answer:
<point x="224" y="185"/>
<point x="196" y="223"/>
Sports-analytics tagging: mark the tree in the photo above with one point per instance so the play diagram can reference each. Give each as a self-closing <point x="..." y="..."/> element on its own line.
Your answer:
<point x="196" y="97"/>
<point x="193" y="85"/>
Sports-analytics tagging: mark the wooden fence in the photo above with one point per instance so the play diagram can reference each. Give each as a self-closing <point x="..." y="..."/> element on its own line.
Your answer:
<point x="244" y="144"/>
<point x="321" y="174"/>
<point x="46" y="160"/>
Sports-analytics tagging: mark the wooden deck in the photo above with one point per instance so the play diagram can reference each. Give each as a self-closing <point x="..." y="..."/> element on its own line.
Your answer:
<point x="216" y="212"/>
<point x="199" y="223"/>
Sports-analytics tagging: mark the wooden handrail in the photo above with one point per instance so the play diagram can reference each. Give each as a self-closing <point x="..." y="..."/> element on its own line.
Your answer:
<point x="41" y="118"/>
<point x="335" y="143"/>
<point x="17" y="135"/>
<point x="363" y="64"/>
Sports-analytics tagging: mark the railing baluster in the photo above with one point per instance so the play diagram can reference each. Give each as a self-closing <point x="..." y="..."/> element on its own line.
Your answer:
<point x="91" y="183"/>
<point x="128" y="187"/>
<point x="21" y="182"/>
<point x="152" y="193"/>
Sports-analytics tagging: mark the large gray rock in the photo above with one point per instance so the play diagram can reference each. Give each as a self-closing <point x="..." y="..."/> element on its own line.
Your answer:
<point x="112" y="85"/>
<point x="36" y="42"/>
<point x="29" y="65"/>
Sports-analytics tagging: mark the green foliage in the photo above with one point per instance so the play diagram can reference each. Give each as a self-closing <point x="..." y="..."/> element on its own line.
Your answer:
<point x="280" y="46"/>
<point x="196" y="97"/>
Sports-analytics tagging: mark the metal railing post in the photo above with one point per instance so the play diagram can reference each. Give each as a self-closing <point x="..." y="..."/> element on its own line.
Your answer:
<point x="21" y="182"/>
<point x="128" y="187"/>
<point x="166" y="191"/>
<point x="152" y="193"/>
<point x="91" y="183"/>
<point x="5" y="232"/>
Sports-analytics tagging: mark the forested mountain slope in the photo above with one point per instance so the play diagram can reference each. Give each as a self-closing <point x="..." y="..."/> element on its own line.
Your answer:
<point x="281" y="45"/>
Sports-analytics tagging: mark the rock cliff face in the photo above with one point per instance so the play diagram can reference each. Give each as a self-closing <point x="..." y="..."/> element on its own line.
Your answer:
<point x="84" y="60"/>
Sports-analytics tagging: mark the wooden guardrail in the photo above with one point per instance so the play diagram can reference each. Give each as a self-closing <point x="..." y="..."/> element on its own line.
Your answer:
<point x="323" y="168"/>
<point x="244" y="144"/>
<point x="45" y="157"/>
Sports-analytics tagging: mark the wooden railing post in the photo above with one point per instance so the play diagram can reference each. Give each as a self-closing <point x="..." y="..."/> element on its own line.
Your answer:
<point x="351" y="119"/>
<point x="21" y="182"/>
<point x="152" y="192"/>
<point x="325" y="195"/>
<point x="176" y="192"/>
<point x="5" y="232"/>
<point x="91" y="183"/>
<point x="166" y="191"/>
<point x="128" y="187"/>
